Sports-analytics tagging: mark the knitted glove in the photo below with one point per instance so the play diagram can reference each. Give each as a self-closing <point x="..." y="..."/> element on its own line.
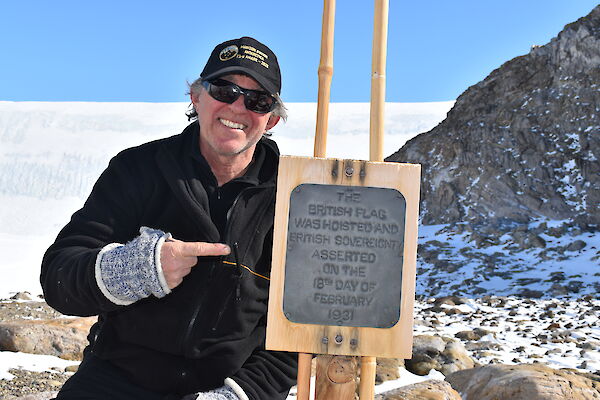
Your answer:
<point x="222" y="393"/>
<point x="130" y="272"/>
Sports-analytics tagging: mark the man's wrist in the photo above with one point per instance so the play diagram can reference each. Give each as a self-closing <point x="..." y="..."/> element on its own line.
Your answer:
<point x="237" y="389"/>
<point x="130" y="272"/>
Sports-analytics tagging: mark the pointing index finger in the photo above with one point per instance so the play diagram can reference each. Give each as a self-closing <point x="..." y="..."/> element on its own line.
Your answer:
<point x="200" y="249"/>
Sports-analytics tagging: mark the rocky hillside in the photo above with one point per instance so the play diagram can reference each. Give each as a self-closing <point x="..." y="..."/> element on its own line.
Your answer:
<point x="523" y="144"/>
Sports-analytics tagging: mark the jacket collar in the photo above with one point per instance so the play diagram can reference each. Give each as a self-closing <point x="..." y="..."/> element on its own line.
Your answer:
<point x="177" y="161"/>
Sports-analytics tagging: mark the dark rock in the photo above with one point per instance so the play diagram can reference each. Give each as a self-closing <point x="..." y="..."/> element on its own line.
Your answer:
<point x="482" y="345"/>
<point x="450" y="300"/>
<point x="557" y="290"/>
<point x="534" y="294"/>
<point x="521" y="144"/>
<point x="574" y="286"/>
<point x="467" y="335"/>
<point x="527" y="281"/>
<point x="576" y="245"/>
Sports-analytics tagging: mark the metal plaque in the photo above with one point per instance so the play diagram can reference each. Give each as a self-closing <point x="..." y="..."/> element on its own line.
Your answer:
<point x="344" y="256"/>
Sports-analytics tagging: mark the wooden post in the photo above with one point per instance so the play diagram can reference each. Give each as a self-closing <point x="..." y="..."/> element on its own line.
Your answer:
<point x="304" y="370"/>
<point x="325" y="74"/>
<point x="331" y="384"/>
<point x="369" y="364"/>
<point x="336" y="377"/>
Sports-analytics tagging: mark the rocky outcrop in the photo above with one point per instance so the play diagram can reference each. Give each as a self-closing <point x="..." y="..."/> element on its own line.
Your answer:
<point x="388" y="369"/>
<point x="522" y="144"/>
<point x="65" y="338"/>
<point x="443" y="354"/>
<point x="428" y="390"/>
<point x="523" y="382"/>
<point x="34" y="327"/>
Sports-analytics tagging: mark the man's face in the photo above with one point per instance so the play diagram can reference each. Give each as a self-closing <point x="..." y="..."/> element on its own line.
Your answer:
<point x="228" y="130"/>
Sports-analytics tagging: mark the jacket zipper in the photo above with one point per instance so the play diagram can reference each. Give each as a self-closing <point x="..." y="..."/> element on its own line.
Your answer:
<point x="238" y="280"/>
<point x="238" y="272"/>
<point x="190" y="327"/>
<point x="230" y="212"/>
<point x="188" y="332"/>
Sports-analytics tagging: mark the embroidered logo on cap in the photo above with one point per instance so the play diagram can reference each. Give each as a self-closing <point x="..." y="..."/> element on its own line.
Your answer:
<point x="228" y="52"/>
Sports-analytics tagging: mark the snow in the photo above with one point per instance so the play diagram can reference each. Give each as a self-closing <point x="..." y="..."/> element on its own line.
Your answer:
<point x="581" y="265"/>
<point x="524" y="330"/>
<point x="407" y="378"/>
<point x="52" y="153"/>
<point x="30" y="362"/>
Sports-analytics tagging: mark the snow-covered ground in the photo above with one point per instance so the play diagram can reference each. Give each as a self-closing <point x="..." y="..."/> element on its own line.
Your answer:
<point x="30" y="362"/>
<point x="558" y="333"/>
<point x="513" y="270"/>
<point x="52" y="153"/>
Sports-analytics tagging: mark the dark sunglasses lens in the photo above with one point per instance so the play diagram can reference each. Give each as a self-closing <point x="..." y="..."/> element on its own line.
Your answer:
<point x="258" y="102"/>
<point x="254" y="100"/>
<point x="226" y="94"/>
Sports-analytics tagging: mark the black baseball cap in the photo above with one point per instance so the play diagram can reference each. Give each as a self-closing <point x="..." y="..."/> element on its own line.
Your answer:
<point x="248" y="56"/>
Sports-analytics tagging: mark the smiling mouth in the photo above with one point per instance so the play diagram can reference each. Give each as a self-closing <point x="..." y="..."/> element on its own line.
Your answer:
<point x="231" y="124"/>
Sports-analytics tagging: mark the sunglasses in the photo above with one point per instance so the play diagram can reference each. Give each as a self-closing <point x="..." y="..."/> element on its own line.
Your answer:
<point x="227" y="92"/>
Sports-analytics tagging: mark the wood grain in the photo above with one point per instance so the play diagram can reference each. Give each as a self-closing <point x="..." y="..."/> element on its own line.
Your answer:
<point x="283" y="334"/>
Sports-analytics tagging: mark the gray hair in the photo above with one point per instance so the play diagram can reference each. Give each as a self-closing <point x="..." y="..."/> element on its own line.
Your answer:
<point x="196" y="87"/>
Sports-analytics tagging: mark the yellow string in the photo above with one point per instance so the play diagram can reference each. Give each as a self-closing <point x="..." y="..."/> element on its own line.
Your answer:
<point x="249" y="270"/>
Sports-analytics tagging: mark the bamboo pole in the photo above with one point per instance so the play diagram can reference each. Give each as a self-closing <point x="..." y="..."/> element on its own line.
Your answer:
<point x="378" y="80"/>
<point x="368" y="367"/>
<point x="304" y="370"/>
<point x="330" y="383"/>
<point x="380" y="25"/>
<point x="325" y="74"/>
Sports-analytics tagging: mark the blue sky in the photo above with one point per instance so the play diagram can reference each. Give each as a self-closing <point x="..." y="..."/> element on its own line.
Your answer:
<point x="120" y="50"/>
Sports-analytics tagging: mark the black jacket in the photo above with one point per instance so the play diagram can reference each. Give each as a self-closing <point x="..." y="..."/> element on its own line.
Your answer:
<point x="210" y="327"/>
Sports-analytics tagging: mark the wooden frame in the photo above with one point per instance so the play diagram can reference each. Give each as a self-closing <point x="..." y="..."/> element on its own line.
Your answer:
<point x="285" y="335"/>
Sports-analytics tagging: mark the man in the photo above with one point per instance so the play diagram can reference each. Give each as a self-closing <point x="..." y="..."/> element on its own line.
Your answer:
<point x="173" y="248"/>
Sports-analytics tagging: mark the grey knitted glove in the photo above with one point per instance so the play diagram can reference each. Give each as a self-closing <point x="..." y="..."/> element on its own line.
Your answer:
<point x="130" y="272"/>
<point x="222" y="393"/>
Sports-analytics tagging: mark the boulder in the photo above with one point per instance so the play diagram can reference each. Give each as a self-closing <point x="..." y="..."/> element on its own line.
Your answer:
<point x="428" y="390"/>
<point x="443" y="354"/>
<point x="523" y="382"/>
<point x="576" y="245"/>
<point x="388" y="369"/>
<point x="63" y="337"/>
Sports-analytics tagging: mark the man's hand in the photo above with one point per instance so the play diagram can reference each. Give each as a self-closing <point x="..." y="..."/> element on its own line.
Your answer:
<point x="177" y="258"/>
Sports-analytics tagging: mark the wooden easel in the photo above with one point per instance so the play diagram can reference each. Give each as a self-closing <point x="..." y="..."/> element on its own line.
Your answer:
<point x="336" y="375"/>
<point x="331" y="294"/>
